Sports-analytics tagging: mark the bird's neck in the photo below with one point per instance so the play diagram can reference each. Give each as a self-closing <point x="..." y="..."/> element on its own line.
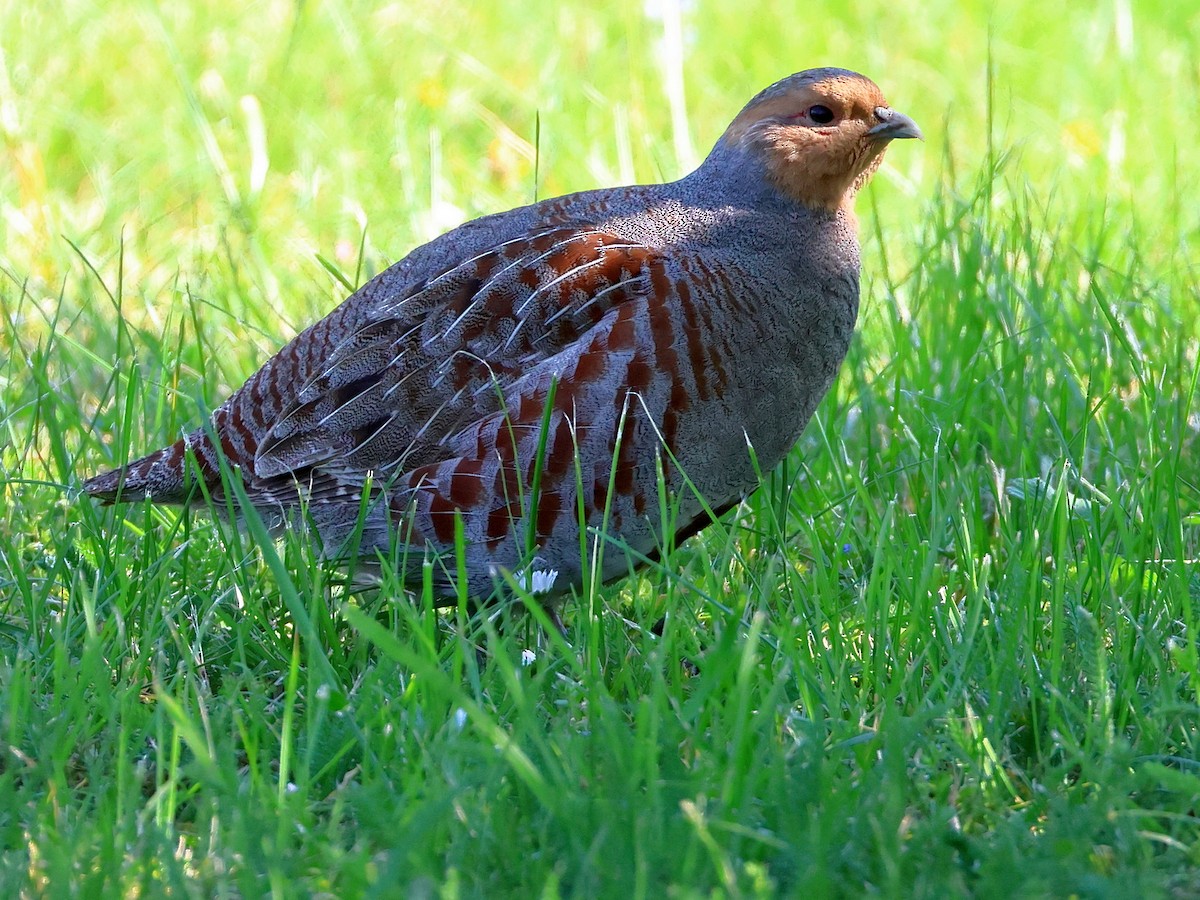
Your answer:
<point x="734" y="172"/>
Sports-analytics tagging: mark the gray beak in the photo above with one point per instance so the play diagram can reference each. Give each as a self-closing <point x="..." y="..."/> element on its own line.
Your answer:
<point x="893" y="125"/>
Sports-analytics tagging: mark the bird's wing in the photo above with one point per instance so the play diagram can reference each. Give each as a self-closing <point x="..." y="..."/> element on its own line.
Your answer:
<point x="427" y="365"/>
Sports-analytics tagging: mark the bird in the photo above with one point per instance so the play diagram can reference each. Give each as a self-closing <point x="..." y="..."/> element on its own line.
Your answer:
<point x="539" y="374"/>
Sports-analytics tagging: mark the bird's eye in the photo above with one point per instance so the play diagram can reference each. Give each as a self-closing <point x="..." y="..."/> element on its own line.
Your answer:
<point x="820" y="115"/>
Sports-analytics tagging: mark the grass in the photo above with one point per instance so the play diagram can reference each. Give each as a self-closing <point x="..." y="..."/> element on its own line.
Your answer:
<point x="948" y="648"/>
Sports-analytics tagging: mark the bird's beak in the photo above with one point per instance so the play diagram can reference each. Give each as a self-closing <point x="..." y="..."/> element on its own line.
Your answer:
<point x="894" y="125"/>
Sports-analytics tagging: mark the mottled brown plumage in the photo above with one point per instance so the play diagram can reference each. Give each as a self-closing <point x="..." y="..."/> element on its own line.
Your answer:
<point x="621" y="329"/>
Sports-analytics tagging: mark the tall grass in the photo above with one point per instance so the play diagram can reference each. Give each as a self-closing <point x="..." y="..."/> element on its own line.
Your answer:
<point x="948" y="648"/>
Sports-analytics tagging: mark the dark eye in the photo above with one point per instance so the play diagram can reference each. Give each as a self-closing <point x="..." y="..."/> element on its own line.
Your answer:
<point x="821" y="115"/>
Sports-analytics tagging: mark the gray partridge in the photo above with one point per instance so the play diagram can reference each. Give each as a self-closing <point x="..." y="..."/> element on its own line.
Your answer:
<point x="542" y="366"/>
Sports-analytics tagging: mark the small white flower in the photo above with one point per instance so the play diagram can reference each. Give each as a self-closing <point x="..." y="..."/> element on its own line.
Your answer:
<point x="460" y="719"/>
<point x="541" y="581"/>
<point x="528" y="657"/>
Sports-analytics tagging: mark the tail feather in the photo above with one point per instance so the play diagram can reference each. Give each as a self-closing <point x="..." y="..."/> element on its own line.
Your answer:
<point x="162" y="476"/>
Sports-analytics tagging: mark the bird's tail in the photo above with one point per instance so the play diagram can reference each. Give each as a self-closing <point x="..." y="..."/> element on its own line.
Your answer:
<point x="164" y="476"/>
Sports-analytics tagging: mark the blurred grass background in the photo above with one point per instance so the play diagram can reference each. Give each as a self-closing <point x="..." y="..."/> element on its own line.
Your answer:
<point x="950" y="648"/>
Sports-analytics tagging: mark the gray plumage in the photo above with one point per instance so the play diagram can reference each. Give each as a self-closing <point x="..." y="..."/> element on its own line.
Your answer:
<point x="624" y="330"/>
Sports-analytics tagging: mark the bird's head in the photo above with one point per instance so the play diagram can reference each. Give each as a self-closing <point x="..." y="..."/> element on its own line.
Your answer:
<point x="821" y="134"/>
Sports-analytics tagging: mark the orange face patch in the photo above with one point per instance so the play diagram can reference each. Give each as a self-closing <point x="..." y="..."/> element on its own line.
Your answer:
<point x="817" y="163"/>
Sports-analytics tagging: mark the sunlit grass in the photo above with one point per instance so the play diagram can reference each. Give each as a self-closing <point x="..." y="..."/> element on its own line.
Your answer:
<point x="948" y="648"/>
